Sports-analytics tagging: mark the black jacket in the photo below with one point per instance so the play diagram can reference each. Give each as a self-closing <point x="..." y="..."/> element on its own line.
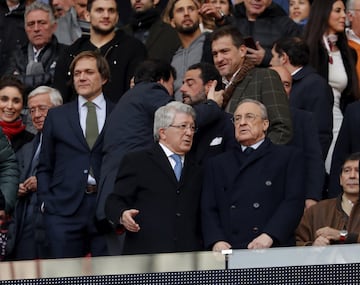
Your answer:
<point x="12" y="32"/>
<point x="123" y="53"/>
<point x="270" y="26"/>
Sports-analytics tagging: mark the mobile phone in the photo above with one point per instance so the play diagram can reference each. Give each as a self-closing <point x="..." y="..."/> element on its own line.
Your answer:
<point x="250" y="43"/>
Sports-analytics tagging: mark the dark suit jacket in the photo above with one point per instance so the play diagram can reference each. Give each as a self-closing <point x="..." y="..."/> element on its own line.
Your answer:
<point x="169" y="210"/>
<point x="347" y="142"/>
<point x="312" y="93"/>
<point x="245" y="196"/>
<point x="214" y="138"/>
<point x="306" y="140"/>
<point x="65" y="160"/>
<point x="162" y="41"/>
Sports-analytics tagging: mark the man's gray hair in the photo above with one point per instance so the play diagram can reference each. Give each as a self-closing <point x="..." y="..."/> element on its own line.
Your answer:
<point x="54" y="94"/>
<point x="37" y="5"/>
<point x="164" y="116"/>
<point x="263" y="110"/>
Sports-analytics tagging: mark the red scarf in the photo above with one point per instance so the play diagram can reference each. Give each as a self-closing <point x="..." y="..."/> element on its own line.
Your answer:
<point x="12" y="129"/>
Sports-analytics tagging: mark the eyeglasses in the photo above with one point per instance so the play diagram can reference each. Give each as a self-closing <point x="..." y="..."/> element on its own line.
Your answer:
<point x="42" y="109"/>
<point x="184" y="127"/>
<point x="248" y="118"/>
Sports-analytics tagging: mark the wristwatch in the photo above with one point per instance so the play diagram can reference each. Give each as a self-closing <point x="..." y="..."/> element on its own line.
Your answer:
<point x="343" y="235"/>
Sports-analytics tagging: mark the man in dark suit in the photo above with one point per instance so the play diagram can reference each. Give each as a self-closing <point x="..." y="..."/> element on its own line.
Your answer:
<point x="157" y="191"/>
<point x="309" y="91"/>
<point x="347" y="142"/>
<point x="305" y="138"/>
<point x="40" y="100"/>
<point x="70" y="162"/>
<point x="252" y="196"/>
<point x="218" y="136"/>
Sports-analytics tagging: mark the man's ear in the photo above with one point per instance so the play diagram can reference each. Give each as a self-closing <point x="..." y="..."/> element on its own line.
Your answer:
<point x="207" y="86"/>
<point x="156" y="2"/>
<point x="284" y="58"/>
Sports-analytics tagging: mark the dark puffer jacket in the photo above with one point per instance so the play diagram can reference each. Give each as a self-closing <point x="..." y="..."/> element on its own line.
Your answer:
<point x="48" y="57"/>
<point x="9" y="173"/>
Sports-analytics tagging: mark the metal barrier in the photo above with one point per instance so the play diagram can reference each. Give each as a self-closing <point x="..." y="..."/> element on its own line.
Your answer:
<point x="293" y="265"/>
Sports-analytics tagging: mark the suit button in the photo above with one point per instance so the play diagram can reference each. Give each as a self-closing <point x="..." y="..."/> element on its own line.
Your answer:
<point x="86" y="171"/>
<point x="232" y="207"/>
<point x="255" y="229"/>
<point x="268" y="183"/>
<point x="178" y="215"/>
<point x="256" y="205"/>
<point x="178" y="192"/>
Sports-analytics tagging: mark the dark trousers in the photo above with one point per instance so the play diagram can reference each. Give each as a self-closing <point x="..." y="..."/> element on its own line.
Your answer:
<point x="76" y="235"/>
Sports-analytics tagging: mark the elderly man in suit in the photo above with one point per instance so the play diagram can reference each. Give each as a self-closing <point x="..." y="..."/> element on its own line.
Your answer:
<point x="253" y="195"/>
<point x="70" y="161"/>
<point x="40" y="100"/>
<point x="157" y="191"/>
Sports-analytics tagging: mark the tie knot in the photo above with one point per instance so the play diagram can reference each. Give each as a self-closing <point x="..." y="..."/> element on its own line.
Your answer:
<point x="90" y="105"/>
<point x="176" y="157"/>
<point x="248" y="150"/>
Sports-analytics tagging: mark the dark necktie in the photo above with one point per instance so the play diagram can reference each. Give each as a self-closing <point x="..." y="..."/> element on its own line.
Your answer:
<point x="178" y="165"/>
<point x="91" y="131"/>
<point x="35" y="160"/>
<point x="248" y="150"/>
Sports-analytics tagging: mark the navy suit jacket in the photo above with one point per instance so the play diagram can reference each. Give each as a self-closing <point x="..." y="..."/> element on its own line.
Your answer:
<point x="214" y="138"/>
<point x="169" y="210"/>
<point x="305" y="138"/>
<point x="311" y="92"/>
<point x="348" y="142"/>
<point x="65" y="160"/>
<point x="245" y="196"/>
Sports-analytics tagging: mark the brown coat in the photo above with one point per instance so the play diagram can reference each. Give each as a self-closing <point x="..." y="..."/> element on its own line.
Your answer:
<point x="328" y="213"/>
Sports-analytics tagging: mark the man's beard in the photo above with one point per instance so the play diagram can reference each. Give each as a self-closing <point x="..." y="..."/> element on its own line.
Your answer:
<point x="188" y="30"/>
<point x="103" y="32"/>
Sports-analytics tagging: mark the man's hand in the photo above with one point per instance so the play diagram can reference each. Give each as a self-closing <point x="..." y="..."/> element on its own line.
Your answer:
<point x="29" y="185"/>
<point x="127" y="220"/>
<point x="328" y="233"/>
<point x="221" y="245"/>
<point x="321" y="241"/>
<point x="262" y="241"/>
<point x="210" y="11"/>
<point x="309" y="203"/>
<point x="256" y="55"/>
<point x="216" y="96"/>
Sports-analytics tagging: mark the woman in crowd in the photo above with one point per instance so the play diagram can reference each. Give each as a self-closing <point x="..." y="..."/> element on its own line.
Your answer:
<point x="331" y="56"/>
<point x="299" y="11"/>
<point x="11" y="104"/>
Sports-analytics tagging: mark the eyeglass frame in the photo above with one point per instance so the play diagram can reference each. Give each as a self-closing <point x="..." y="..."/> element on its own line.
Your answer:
<point x="42" y="109"/>
<point x="184" y="127"/>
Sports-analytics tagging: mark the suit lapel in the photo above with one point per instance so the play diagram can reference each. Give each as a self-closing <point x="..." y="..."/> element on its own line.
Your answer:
<point x="74" y="121"/>
<point x="161" y="161"/>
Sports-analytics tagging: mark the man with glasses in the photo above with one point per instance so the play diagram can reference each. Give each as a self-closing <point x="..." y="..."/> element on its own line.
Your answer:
<point x="157" y="191"/>
<point x="253" y="195"/>
<point x="40" y="100"/>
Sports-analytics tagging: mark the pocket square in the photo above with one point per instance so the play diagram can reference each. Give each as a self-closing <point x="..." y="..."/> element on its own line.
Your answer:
<point x="216" y="141"/>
